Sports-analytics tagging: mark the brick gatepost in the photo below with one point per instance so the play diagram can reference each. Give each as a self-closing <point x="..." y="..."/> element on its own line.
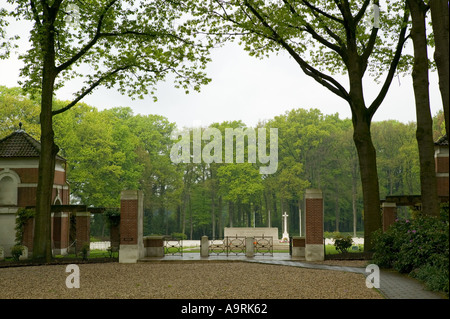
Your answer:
<point x="83" y="229"/>
<point x="314" y="246"/>
<point x="60" y="233"/>
<point x="442" y="169"/>
<point x="389" y="213"/>
<point x="131" y="247"/>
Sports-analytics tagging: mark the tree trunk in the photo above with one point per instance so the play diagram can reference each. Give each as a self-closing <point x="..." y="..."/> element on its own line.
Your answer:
<point x="220" y="217"/>
<point x="369" y="175"/>
<point x="424" y="132"/>
<point x="354" y="196"/>
<point x="230" y="213"/>
<point x="439" y="16"/>
<point x="42" y="231"/>
<point x="42" y="248"/>
<point x="183" y="215"/>
<point x="300" y="219"/>
<point x="336" y="210"/>
<point x="213" y="215"/>
<point x="191" y="226"/>
<point x="362" y="138"/>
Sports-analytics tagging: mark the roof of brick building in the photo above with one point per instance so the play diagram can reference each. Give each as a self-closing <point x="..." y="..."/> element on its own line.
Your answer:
<point x="20" y="144"/>
<point x="442" y="141"/>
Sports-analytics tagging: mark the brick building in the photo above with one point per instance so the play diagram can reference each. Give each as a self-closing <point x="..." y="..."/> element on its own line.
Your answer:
<point x="389" y="205"/>
<point x="441" y="160"/>
<point x="19" y="162"/>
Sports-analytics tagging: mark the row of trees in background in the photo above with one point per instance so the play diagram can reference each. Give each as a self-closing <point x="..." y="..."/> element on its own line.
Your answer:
<point x="135" y="45"/>
<point x="112" y="150"/>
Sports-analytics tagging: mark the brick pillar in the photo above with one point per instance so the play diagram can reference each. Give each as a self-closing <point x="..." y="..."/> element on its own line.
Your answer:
<point x="60" y="233"/>
<point x="83" y="229"/>
<point x="131" y="247"/>
<point x="442" y="170"/>
<point x="314" y="247"/>
<point x="389" y="213"/>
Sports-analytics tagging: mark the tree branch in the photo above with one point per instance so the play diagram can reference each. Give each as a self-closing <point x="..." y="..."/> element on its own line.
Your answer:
<point x="370" y="45"/>
<point x="320" y="77"/>
<point x="398" y="52"/>
<point x="310" y="29"/>
<point x="89" y="90"/>
<point x="146" y="34"/>
<point x="315" y="9"/>
<point x="56" y="4"/>
<point x="90" y="44"/>
<point x="315" y="35"/>
<point x="361" y="12"/>
<point x="35" y="13"/>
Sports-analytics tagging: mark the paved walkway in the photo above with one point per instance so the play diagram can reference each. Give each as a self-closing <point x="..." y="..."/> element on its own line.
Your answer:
<point x="392" y="284"/>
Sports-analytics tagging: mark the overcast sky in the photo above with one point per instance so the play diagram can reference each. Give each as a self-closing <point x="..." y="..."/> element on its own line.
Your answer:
<point x="248" y="89"/>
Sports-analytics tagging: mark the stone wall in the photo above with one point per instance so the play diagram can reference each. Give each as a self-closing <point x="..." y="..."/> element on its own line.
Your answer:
<point x="252" y="232"/>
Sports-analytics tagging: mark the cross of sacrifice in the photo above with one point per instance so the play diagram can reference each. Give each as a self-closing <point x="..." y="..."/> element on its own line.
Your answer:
<point x="285" y="232"/>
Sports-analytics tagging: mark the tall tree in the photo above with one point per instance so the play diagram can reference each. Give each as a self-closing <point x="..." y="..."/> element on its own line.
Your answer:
<point x="397" y="157"/>
<point x="18" y="108"/>
<point x="424" y="133"/>
<point x="129" y="45"/>
<point x="439" y="16"/>
<point x="344" y="45"/>
<point x="100" y="153"/>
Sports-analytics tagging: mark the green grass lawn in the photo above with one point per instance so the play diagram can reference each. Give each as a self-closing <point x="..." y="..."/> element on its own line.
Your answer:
<point x="331" y="249"/>
<point x="95" y="253"/>
<point x="92" y="254"/>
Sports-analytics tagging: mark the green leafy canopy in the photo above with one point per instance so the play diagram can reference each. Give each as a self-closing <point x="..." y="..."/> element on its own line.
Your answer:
<point x="128" y="45"/>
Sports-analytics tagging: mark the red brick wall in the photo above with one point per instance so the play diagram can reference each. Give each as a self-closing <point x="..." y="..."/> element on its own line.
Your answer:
<point x="128" y="222"/>
<point x="60" y="231"/>
<point x="389" y="215"/>
<point x="442" y="169"/>
<point x="314" y="220"/>
<point x="441" y="164"/>
<point x="83" y="228"/>
<point x="30" y="175"/>
<point x="442" y="186"/>
<point x="27" y="175"/>
<point x="26" y="196"/>
<point x="298" y="242"/>
<point x="64" y="232"/>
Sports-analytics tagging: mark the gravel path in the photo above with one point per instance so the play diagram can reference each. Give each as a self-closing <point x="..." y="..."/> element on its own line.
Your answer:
<point x="232" y="280"/>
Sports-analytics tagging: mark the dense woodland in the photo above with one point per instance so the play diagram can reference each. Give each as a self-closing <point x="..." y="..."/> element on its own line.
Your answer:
<point x="112" y="150"/>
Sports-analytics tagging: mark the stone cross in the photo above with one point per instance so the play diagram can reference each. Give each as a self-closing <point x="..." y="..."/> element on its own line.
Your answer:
<point x="285" y="230"/>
